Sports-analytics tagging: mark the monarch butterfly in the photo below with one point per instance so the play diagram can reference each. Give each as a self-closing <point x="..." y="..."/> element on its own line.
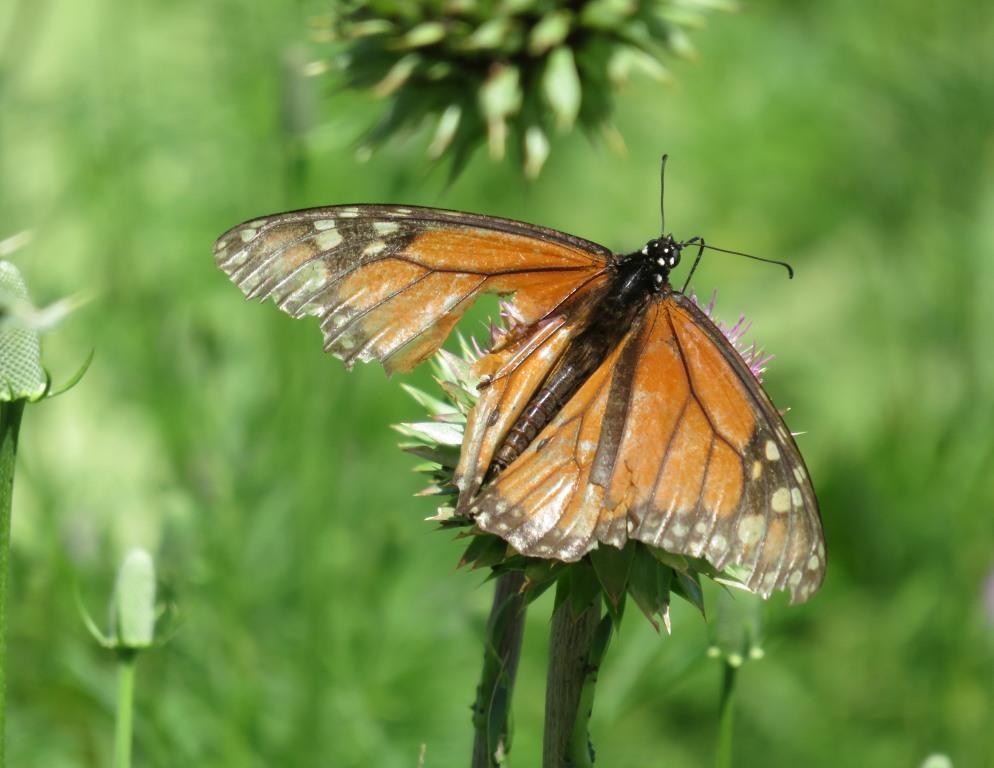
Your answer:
<point x="613" y="410"/>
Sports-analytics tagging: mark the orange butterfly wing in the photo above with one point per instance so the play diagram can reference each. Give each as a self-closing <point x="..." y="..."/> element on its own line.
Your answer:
<point x="671" y="442"/>
<point x="389" y="283"/>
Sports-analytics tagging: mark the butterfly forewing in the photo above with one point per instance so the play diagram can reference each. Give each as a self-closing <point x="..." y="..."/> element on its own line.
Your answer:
<point x="671" y="442"/>
<point x="389" y="283"/>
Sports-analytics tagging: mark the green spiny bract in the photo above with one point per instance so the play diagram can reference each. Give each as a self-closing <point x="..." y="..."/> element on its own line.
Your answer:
<point x="500" y="72"/>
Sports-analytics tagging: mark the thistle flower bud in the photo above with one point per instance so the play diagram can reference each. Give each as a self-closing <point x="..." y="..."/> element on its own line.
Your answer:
<point x="21" y="374"/>
<point x="493" y="73"/>
<point x="132" y="607"/>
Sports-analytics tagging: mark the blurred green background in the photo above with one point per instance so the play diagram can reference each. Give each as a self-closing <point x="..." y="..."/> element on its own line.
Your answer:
<point x="323" y="623"/>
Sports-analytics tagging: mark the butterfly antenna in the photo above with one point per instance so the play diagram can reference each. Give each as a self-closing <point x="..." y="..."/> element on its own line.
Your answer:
<point x="784" y="264"/>
<point x="662" y="189"/>
<point x="701" y="245"/>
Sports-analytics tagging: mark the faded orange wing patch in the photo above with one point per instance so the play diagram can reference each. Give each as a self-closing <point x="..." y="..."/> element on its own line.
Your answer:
<point x="389" y="283"/>
<point x="671" y="442"/>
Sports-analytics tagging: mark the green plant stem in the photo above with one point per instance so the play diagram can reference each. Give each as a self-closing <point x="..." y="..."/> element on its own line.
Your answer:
<point x="10" y="425"/>
<point x="502" y="649"/>
<point x="576" y="648"/>
<point x="726" y="722"/>
<point x="125" y="707"/>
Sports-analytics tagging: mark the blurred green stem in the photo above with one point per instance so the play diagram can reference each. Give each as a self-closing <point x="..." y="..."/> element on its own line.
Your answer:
<point x="576" y="649"/>
<point x="10" y="425"/>
<point x="125" y="706"/>
<point x="502" y="648"/>
<point x="726" y="723"/>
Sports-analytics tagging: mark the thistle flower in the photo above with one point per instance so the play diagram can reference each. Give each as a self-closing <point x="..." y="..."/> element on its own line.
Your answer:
<point x="751" y="354"/>
<point x="648" y="574"/>
<point x="496" y="71"/>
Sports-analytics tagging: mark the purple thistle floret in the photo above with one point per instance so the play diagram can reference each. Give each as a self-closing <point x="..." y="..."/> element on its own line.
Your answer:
<point x="752" y="355"/>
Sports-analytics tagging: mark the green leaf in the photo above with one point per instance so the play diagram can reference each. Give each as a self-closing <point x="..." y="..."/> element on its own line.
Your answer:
<point x="482" y="550"/>
<point x="551" y="30"/>
<point x="445" y="456"/>
<point x="368" y="28"/>
<point x="397" y="75"/>
<point x="613" y="567"/>
<point x="431" y="404"/>
<point x="492" y="34"/>
<point x="73" y="380"/>
<point x="448" y="124"/>
<point x="561" y="87"/>
<point x="679" y="42"/>
<point x="432" y="432"/>
<point x="627" y="59"/>
<point x="536" y="151"/>
<point x="500" y="95"/>
<point x="428" y="33"/>
<point x="688" y="586"/>
<point x="607" y="14"/>
<point x="677" y="562"/>
<point x="584" y="587"/>
<point x="649" y="586"/>
<point x="91" y="626"/>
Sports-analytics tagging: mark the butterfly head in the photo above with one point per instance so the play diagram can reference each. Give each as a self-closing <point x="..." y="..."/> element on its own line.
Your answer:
<point x="663" y="255"/>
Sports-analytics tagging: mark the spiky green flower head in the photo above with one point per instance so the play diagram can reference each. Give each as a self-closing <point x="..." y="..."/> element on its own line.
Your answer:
<point x="505" y="71"/>
<point x="648" y="574"/>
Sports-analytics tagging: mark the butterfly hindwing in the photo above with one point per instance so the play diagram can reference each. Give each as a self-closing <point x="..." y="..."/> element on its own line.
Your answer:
<point x="511" y="374"/>
<point x="389" y="283"/>
<point x="671" y="442"/>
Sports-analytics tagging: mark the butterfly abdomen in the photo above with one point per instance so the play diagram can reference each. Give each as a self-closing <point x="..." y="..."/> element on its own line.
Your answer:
<point x="609" y="322"/>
